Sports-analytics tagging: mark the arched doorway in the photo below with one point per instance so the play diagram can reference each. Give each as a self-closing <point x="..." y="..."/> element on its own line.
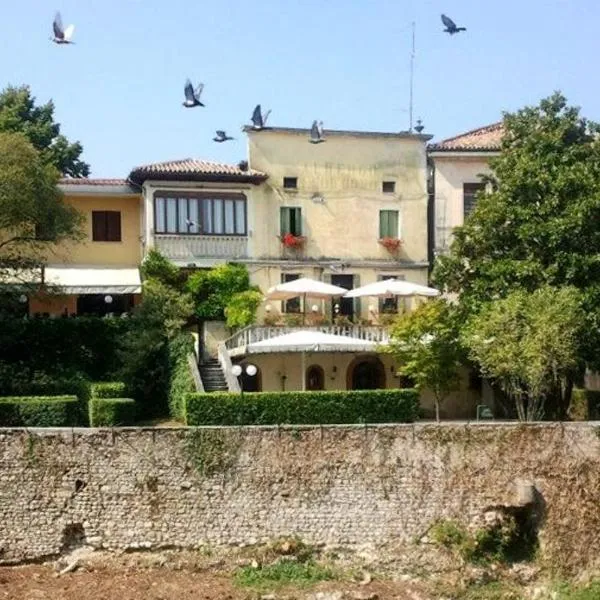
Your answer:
<point x="250" y="383"/>
<point x="315" y="378"/>
<point x="365" y="373"/>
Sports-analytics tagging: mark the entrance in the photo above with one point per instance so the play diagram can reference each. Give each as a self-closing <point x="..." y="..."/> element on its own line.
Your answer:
<point x="365" y="373"/>
<point x="346" y="304"/>
<point x="315" y="378"/>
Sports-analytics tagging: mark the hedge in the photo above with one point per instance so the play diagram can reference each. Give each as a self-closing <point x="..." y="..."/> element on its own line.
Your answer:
<point x="108" y="389"/>
<point x="585" y="405"/>
<point x="272" y="408"/>
<point x="39" y="411"/>
<point x="181" y="381"/>
<point x="112" y="412"/>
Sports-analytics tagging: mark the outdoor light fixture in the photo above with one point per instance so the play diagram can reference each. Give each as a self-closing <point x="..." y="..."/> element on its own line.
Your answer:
<point x="237" y="370"/>
<point x="22" y="298"/>
<point x="251" y="370"/>
<point x="315" y="308"/>
<point x="268" y="308"/>
<point x="371" y="308"/>
<point x="108" y="299"/>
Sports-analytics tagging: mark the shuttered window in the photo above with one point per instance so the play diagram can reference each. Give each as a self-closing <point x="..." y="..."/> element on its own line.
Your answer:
<point x="290" y="220"/>
<point x="388" y="224"/>
<point x="106" y="226"/>
<point x="293" y="304"/>
<point x="470" y="191"/>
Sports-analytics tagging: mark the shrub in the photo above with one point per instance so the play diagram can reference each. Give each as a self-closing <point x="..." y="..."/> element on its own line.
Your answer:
<point x="271" y="408"/>
<point x="181" y="381"/>
<point x="112" y="412"/>
<point x="241" y="308"/>
<point x="39" y="411"/>
<point x="585" y="405"/>
<point x="157" y="266"/>
<point x="108" y="389"/>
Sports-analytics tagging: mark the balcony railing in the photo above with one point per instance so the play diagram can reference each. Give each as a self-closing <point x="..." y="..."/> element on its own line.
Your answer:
<point x="255" y="333"/>
<point x="188" y="247"/>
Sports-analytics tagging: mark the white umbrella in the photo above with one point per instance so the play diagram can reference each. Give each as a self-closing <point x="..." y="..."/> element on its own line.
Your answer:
<point x="304" y="287"/>
<point x="392" y="287"/>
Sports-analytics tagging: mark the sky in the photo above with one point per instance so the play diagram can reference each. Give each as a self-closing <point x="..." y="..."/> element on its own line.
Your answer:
<point x="119" y="89"/>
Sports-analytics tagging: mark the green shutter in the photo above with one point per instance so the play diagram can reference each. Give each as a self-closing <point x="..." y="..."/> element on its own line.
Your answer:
<point x="357" y="303"/>
<point x="393" y="223"/>
<point x="284" y="223"/>
<point x="388" y="223"/>
<point x="296" y="225"/>
<point x="382" y="224"/>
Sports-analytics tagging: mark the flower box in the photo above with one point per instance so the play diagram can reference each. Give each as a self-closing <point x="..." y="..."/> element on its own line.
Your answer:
<point x="391" y="244"/>
<point x="289" y="240"/>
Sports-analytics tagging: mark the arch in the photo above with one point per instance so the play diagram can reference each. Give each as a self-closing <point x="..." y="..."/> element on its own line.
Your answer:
<point x="251" y="384"/>
<point x="315" y="378"/>
<point x="365" y="373"/>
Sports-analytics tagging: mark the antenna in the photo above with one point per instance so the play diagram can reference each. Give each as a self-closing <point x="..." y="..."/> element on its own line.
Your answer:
<point x="412" y="73"/>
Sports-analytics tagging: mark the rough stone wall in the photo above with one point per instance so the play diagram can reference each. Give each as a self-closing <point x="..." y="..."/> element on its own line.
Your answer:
<point x="384" y="485"/>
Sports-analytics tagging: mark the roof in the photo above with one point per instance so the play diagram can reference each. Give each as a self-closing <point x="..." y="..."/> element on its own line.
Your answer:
<point x="192" y="169"/>
<point x="483" y="139"/>
<point x="85" y="186"/>
<point x="341" y="132"/>
<point x="91" y="181"/>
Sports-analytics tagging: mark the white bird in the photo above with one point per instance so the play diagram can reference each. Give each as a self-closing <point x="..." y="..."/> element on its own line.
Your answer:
<point x="258" y="120"/>
<point x="221" y="136"/>
<point x="62" y="35"/>
<point x="192" y="96"/>
<point x="190" y="223"/>
<point x="316" y="133"/>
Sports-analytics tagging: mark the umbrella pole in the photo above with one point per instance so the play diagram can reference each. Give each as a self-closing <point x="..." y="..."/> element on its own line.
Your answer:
<point x="303" y="368"/>
<point x="304" y="310"/>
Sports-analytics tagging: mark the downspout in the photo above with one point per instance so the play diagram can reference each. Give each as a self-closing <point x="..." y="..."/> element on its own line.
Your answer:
<point x="430" y="213"/>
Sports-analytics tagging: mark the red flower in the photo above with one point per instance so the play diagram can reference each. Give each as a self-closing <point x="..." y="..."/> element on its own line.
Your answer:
<point x="289" y="240"/>
<point x="391" y="244"/>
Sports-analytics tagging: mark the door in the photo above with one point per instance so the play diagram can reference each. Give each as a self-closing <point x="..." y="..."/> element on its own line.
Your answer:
<point x="346" y="304"/>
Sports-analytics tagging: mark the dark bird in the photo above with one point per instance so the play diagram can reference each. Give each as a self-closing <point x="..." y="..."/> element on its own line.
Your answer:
<point x="316" y="133"/>
<point x="61" y="35"/>
<point x="192" y="96"/>
<point x="450" y="25"/>
<point x="258" y="120"/>
<point x="221" y="136"/>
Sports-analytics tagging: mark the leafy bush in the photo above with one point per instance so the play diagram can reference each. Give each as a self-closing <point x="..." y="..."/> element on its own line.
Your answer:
<point x="39" y="411"/>
<point x="241" y="308"/>
<point x="112" y="412"/>
<point x="213" y="289"/>
<point x="181" y="381"/>
<point x="585" y="405"/>
<point x="108" y="389"/>
<point x="64" y="348"/>
<point x="271" y="408"/>
<point x="158" y="267"/>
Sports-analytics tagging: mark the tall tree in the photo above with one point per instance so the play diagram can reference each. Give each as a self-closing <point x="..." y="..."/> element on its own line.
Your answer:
<point x="33" y="214"/>
<point x="19" y="114"/>
<point x="539" y="223"/>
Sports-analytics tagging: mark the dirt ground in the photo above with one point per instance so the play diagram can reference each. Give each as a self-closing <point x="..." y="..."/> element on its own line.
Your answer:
<point x="130" y="580"/>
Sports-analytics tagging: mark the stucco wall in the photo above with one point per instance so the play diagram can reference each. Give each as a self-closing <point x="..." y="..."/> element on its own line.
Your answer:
<point x="451" y="173"/>
<point x="128" y="489"/>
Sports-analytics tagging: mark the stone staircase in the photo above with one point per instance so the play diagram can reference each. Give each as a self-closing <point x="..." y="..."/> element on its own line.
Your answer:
<point x="212" y="376"/>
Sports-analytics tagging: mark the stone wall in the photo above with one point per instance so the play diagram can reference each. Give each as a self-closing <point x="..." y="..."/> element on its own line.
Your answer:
<point x="384" y="485"/>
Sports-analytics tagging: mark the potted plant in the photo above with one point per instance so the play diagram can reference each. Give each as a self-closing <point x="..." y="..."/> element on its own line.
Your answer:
<point x="289" y="240"/>
<point x="391" y="244"/>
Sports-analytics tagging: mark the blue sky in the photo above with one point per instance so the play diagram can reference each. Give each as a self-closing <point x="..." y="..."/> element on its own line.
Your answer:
<point x="119" y="89"/>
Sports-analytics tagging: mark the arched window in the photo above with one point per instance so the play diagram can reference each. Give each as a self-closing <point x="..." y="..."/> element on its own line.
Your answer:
<point x="315" y="378"/>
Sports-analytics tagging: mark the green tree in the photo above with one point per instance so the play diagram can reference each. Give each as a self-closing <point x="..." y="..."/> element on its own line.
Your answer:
<point x="34" y="217"/>
<point x="426" y="343"/>
<point x="158" y="267"/>
<point x="241" y="308"/>
<point x="19" y="114"/>
<point x="529" y="344"/>
<point x="213" y="289"/>
<point x="538" y="224"/>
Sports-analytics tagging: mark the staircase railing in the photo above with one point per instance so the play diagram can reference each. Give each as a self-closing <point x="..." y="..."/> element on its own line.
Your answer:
<point x="233" y="385"/>
<point x="193" y="366"/>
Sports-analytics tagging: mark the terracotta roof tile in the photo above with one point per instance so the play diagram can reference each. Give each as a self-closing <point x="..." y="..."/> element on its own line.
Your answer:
<point x="191" y="169"/>
<point x="483" y="139"/>
<point x="91" y="181"/>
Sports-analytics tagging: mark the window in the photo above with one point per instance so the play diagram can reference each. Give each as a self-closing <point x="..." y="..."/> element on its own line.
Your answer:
<point x="290" y="183"/>
<point x="388" y="224"/>
<point x="290" y="220"/>
<point x="393" y="304"/>
<point x="470" y="191"/>
<point x="200" y="214"/>
<point x="388" y="187"/>
<point x="292" y="305"/>
<point x="106" y="226"/>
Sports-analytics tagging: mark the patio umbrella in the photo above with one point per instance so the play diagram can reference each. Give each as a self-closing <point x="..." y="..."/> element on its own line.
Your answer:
<point x="392" y="287"/>
<point x="304" y="287"/>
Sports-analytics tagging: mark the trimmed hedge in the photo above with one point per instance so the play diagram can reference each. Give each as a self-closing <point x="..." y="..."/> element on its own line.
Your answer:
<point x="272" y="408"/>
<point x="39" y="411"/>
<point x="112" y="412"/>
<point x="181" y="381"/>
<point x="108" y="389"/>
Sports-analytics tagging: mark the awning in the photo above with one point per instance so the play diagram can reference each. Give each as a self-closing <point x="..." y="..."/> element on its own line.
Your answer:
<point x="311" y="341"/>
<point x="94" y="280"/>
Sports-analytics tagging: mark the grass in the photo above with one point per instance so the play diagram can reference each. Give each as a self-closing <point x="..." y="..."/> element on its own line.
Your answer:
<point x="282" y="573"/>
<point x="588" y="592"/>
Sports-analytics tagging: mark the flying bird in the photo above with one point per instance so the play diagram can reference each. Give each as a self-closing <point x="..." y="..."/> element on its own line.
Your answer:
<point x="221" y="136"/>
<point x="192" y="96"/>
<point x="316" y="133"/>
<point x="450" y="25"/>
<point x="258" y="120"/>
<point x="61" y="35"/>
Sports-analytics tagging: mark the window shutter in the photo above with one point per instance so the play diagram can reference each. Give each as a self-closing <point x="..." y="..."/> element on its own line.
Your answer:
<point x="284" y="215"/>
<point x="393" y="223"/>
<point x="297" y="229"/>
<point x="357" y="303"/>
<point x="382" y="224"/>
<point x="113" y="226"/>
<point x="98" y="226"/>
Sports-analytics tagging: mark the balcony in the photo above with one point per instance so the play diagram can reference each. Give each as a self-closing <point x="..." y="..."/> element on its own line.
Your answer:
<point x="192" y="248"/>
